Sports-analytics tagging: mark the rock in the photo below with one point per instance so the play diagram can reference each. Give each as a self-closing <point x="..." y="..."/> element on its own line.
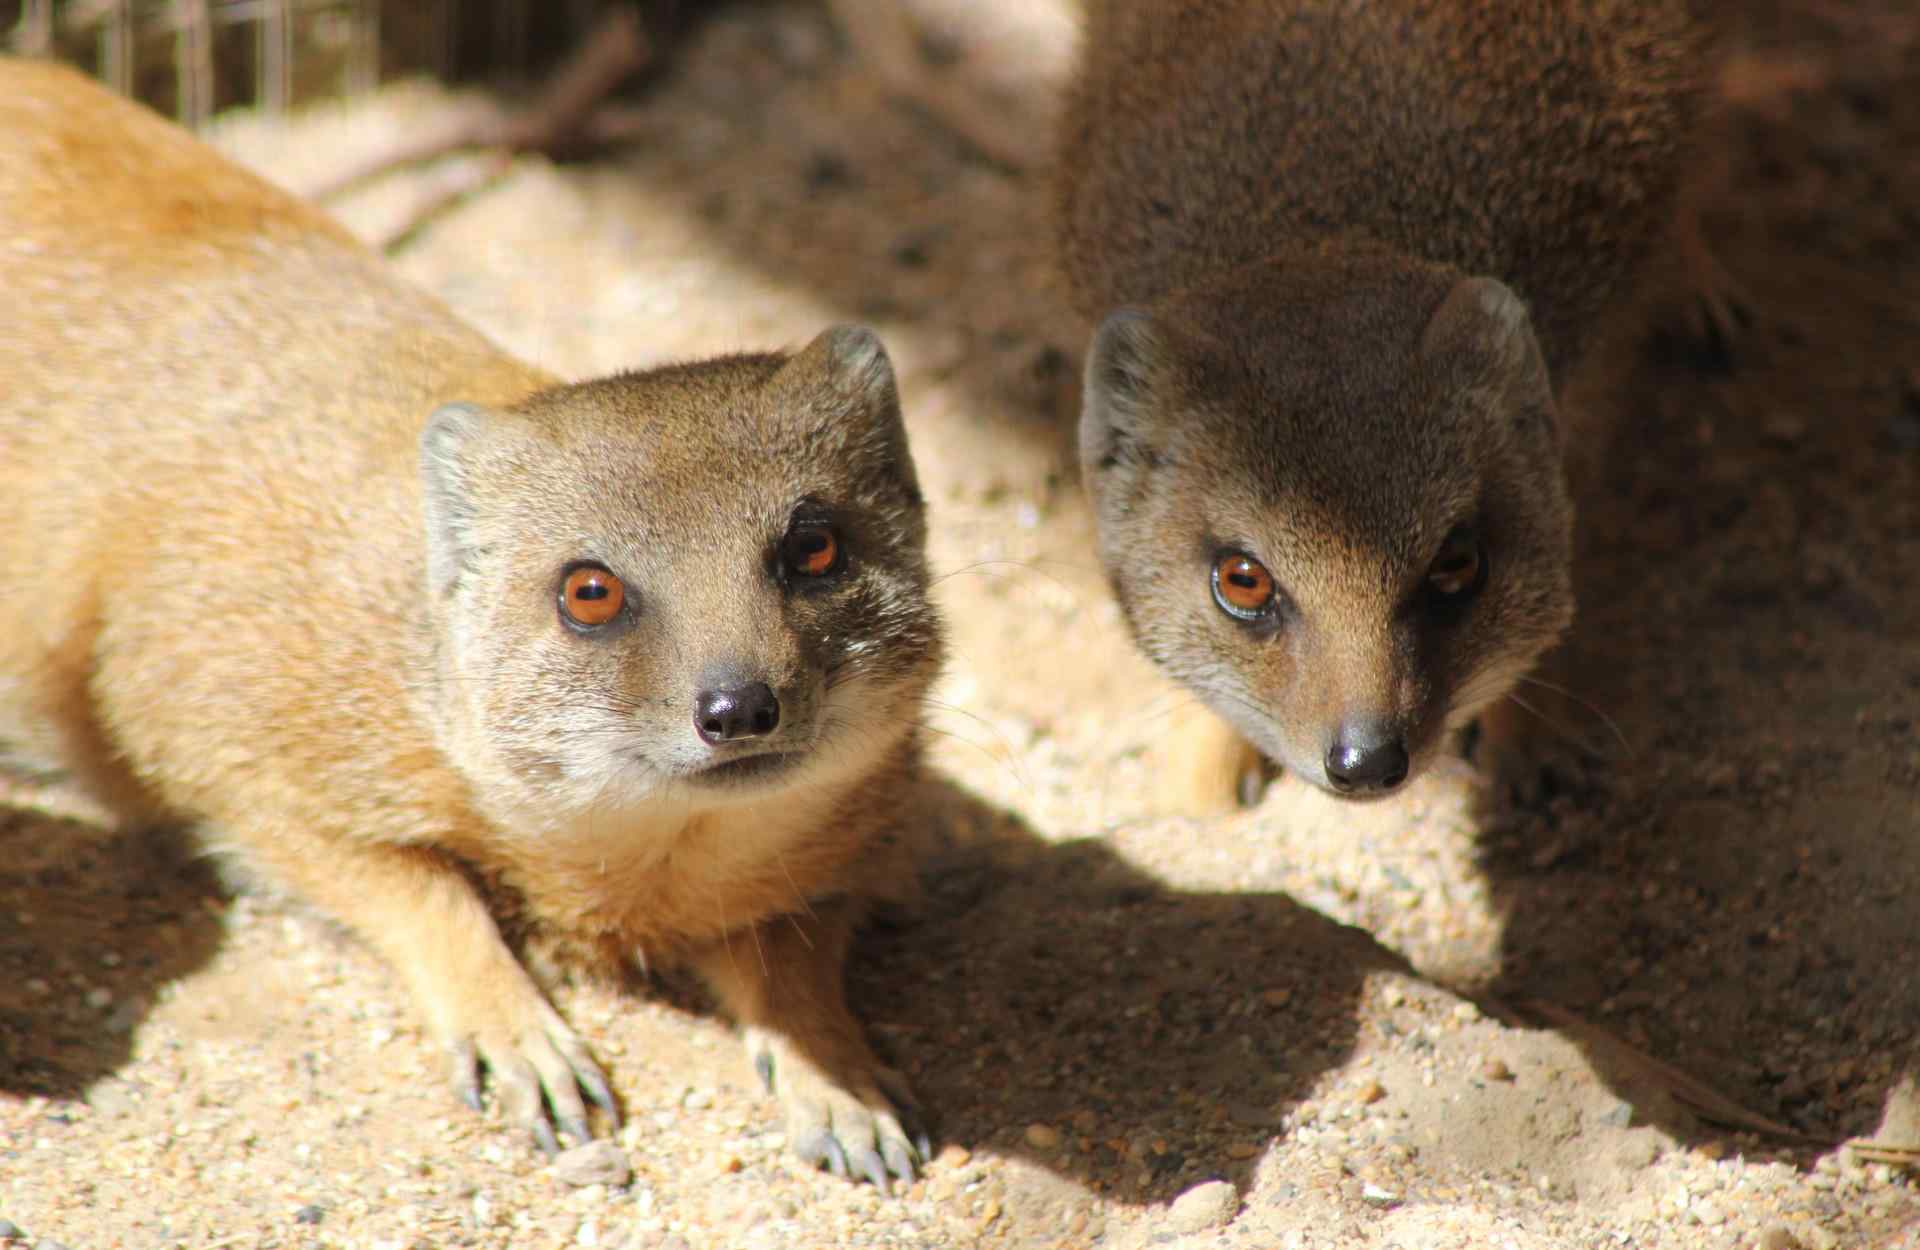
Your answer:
<point x="1042" y="1136"/>
<point x="10" y="1230"/>
<point x="1619" y="1114"/>
<point x="1780" y="1237"/>
<point x="1211" y="1204"/>
<point x="1494" y="1068"/>
<point x="1379" y="1198"/>
<point x="109" y="1098"/>
<point x="596" y="1163"/>
<point x="309" y="1214"/>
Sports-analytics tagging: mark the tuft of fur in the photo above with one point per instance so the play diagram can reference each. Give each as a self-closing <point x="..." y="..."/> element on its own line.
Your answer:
<point x="1341" y="259"/>
<point x="284" y="558"/>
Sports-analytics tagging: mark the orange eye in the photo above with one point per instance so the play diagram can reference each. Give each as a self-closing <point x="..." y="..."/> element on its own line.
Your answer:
<point x="591" y="596"/>
<point x="1242" y="586"/>
<point x="1459" y="567"/>
<point x="811" y="550"/>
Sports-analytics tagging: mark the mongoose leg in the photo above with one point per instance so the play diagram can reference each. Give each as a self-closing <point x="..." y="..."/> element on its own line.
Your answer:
<point x="417" y="909"/>
<point x="784" y="981"/>
<point x="1718" y="308"/>
<point x="1211" y="768"/>
<point x="1542" y="739"/>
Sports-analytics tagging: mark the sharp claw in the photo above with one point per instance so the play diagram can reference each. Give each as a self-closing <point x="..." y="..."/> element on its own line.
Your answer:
<point x="577" y="1129"/>
<point x="600" y="1094"/>
<point x="465" y="1066"/>
<point x="836" y="1157"/>
<point x="899" y="1158"/>
<point x="543" y="1138"/>
<point x="913" y="1131"/>
<point x="874" y="1170"/>
<point x="763" y="1064"/>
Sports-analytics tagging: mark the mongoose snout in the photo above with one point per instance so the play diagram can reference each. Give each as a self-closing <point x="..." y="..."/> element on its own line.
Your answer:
<point x="736" y="712"/>
<point x="1366" y="758"/>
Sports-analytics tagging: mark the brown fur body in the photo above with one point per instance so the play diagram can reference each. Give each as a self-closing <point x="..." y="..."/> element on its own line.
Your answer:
<point x="1357" y="250"/>
<point x="240" y="588"/>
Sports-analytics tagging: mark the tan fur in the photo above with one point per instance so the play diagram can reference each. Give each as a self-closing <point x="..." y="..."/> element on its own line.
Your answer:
<point x="1343" y="258"/>
<point x="246" y="583"/>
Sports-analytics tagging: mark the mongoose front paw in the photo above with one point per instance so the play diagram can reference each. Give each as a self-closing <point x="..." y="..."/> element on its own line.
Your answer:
<point x="1530" y="760"/>
<point x="1211" y="769"/>
<point x="538" y="1073"/>
<point x="1715" y="309"/>
<point x="868" y="1126"/>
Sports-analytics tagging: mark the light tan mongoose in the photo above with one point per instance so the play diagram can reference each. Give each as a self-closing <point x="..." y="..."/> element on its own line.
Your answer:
<point x="1342" y="259"/>
<point x="628" y="668"/>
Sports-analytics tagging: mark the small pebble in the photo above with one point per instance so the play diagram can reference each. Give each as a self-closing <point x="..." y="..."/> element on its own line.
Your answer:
<point x="1042" y="1136"/>
<point x="1494" y="1068"/>
<point x="697" y="1099"/>
<point x="595" y="1163"/>
<point x="309" y="1214"/>
<point x="10" y="1229"/>
<point x="1375" y="1196"/>
<point x="1780" y="1237"/>
<point x="1784" y="428"/>
<point x="1211" y="1204"/>
<point x="108" y="1098"/>
<point x="1368" y="1093"/>
<point x="1619" y="1115"/>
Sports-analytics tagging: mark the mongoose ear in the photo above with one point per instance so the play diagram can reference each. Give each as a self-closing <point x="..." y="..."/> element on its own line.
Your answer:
<point x="852" y="363"/>
<point x="1116" y="392"/>
<point x="447" y="445"/>
<point x="1483" y="321"/>
<point x="861" y="400"/>
<point x="1481" y="315"/>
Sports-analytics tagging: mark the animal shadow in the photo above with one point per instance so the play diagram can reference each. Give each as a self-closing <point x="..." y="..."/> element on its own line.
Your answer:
<point x="1151" y="1034"/>
<point x="91" y="927"/>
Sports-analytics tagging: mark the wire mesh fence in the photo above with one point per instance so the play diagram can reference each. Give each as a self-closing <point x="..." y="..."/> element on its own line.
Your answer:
<point x="193" y="58"/>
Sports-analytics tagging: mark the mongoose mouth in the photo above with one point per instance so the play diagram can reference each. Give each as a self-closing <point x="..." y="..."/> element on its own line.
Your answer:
<point x="748" y="768"/>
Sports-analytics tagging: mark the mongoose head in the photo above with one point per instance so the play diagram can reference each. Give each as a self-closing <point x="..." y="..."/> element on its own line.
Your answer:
<point x="693" y="586"/>
<point x="1331" y="502"/>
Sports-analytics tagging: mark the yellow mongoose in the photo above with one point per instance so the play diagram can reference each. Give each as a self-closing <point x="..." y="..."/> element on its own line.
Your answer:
<point x="292" y="555"/>
<point x="1342" y="258"/>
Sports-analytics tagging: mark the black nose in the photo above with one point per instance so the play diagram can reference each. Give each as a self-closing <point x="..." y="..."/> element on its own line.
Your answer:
<point x="748" y="711"/>
<point x="1365" y="760"/>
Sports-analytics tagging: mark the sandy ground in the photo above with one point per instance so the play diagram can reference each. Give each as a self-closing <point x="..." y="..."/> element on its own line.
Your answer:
<point x="1644" y="1011"/>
